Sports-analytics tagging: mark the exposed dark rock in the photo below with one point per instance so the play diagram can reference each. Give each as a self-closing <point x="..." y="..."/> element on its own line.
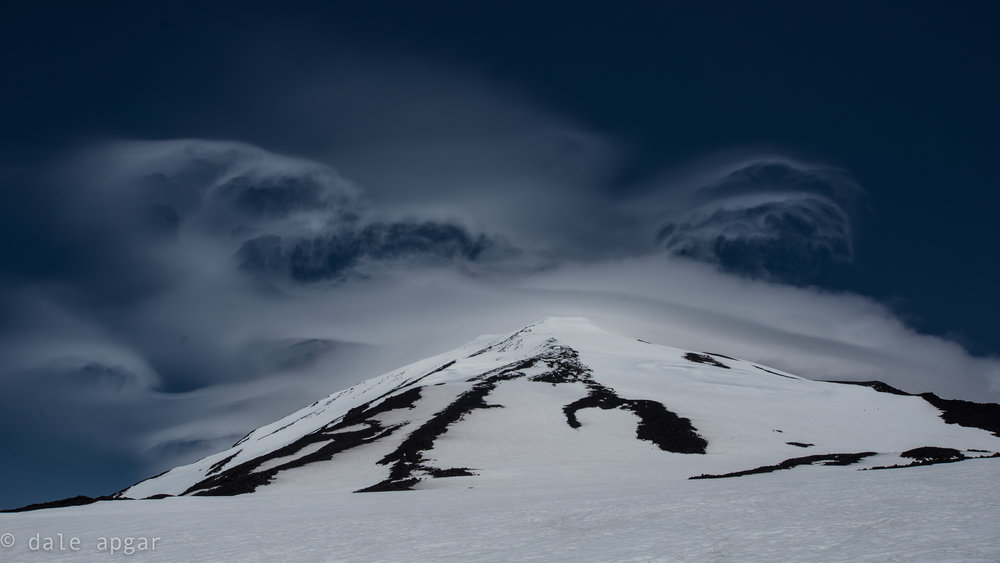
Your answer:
<point x="555" y="364"/>
<point x="657" y="424"/>
<point x="704" y="359"/>
<point x="668" y="431"/>
<point x="119" y="494"/>
<point x="79" y="500"/>
<point x="933" y="453"/>
<point x="953" y="411"/>
<point x="879" y="386"/>
<point x="222" y="463"/>
<point x="967" y="413"/>
<point x="774" y="372"/>
<point x="453" y="472"/>
<point x="247" y="435"/>
<point x="389" y="486"/>
<point x="721" y="356"/>
<point x="827" y="459"/>
<point x="506" y="343"/>
<point x="407" y="459"/>
<point x="244" y="478"/>
<point x="440" y="369"/>
<point x="562" y="365"/>
<point x="932" y="460"/>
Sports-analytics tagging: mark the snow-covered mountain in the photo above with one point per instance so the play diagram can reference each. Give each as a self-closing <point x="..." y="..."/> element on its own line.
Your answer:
<point x="562" y="400"/>
<point x="561" y="442"/>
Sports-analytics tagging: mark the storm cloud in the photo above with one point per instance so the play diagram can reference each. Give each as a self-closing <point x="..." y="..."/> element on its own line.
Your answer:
<point x="334" y="256"/>
<point x="767" y="216"/>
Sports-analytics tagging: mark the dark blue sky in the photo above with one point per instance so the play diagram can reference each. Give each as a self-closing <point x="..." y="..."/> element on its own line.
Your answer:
<point x="905" y="98"/>
<point x="414" y="100"/>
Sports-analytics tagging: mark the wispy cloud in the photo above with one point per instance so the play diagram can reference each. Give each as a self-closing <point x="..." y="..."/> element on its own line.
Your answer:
<point x="161" y="298"/>
<point x="765" y="216"/>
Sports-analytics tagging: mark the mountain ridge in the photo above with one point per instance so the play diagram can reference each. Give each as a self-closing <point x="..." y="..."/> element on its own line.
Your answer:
<point x="562" y="396"/>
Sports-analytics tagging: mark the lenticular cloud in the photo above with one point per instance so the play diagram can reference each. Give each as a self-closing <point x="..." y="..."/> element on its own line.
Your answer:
<point x="770" y="218"/>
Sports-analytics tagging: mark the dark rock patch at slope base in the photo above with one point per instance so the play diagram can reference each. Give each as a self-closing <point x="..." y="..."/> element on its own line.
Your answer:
<point x="245" y="478"/>
<point x="78" y="500"/>
<point x="827" y="459"/>
<point x="121" y="494"/>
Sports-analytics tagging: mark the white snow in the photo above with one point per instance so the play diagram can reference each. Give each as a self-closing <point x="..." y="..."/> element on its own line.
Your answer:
<point x="747" y="415"/>
<point x="937" y="513"/>
<point x="546" y="491"/>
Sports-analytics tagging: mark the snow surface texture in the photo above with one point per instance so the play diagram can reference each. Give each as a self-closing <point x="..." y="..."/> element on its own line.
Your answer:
<point x="563" y="442"/>
<point x="559" y="400"/>
<point x="938" y="513"/>
<point x="564" y="399"/>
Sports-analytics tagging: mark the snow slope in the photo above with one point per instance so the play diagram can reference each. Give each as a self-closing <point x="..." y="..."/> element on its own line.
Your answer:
<point x="561" y="442"/>
<point x="562" y="399"/>
<point x="933" y="514"/>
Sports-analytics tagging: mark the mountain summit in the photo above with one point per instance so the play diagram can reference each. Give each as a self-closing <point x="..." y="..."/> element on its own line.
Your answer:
<point x="563" y="399"/>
